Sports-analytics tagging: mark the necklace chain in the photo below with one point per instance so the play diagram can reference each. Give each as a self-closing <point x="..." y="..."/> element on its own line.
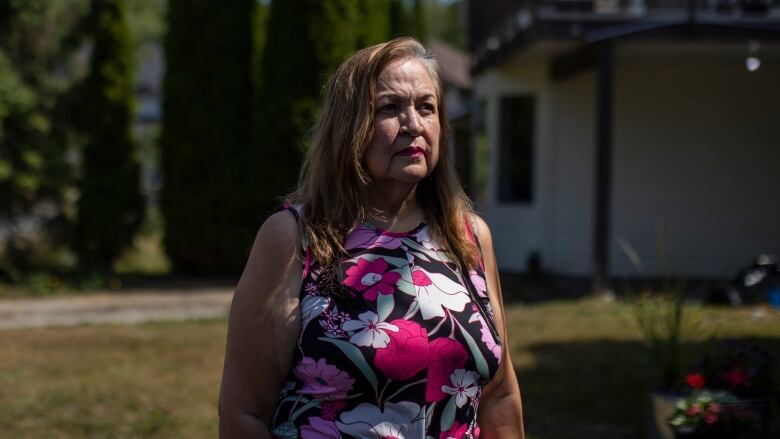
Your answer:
<point x="420" y="220"/>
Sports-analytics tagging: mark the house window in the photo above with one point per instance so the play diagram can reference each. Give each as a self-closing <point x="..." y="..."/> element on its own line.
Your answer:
<point x="515" y="155"/>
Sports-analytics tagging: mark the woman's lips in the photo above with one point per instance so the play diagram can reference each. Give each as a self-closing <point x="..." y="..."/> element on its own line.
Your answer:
<point x="411" y="151"/>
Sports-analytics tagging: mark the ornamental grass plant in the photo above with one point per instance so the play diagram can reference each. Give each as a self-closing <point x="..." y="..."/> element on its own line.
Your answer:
<point x="664" y="320"/>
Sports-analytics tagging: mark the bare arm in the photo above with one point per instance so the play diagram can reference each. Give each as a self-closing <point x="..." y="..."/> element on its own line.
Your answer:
<point x="500" y="408"/>
<point x="262" y="331"/>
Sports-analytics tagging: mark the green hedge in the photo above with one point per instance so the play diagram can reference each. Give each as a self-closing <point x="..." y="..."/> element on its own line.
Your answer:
<point x="110" y="206"/>
<point x="207" y="198"/>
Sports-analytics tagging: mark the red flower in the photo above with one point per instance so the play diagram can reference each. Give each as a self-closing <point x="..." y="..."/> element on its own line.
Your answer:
<point x="695" y="380"/>
<point x="331" y="409"/>
<point x="735" y="378"/>
<point x="406" y="354"/>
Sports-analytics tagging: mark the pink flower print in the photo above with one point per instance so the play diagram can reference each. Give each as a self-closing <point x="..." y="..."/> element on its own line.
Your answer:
<point x="364" y="237"/>
<point x="330" y="409"/>
<point x="406" y="354"/>
<point x="455" y="432"/>
<point x="425" y="239"/>
<point x="421" y="279"/>
<point x="446" y="356"/>
<point x="371" y="278"/>
<point x="331" y="321"/>
<point x="464" y="386"/>
<point x="321" y="380"/>
<point x="311" y="288"/>
<point x="436" y="291"/>
<point x="370" y="331"/>
<point x="320" y="428"/>
<point x="479" y="283"/>
<point x="487" y="336"/>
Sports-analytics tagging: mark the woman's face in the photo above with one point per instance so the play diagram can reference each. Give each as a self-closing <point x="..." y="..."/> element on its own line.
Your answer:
<point x="405" y="145"/>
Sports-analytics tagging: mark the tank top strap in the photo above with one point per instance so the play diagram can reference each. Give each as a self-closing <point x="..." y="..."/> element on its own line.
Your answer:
<point x="295" y="210"/>
<point x="292" y="209"/>
<point x="471" y="227"/>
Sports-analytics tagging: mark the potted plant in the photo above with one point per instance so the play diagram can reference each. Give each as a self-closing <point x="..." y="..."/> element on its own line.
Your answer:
<point x="744" y="370"/>
<point x="664" y="320"/>
<point x="713" y="415"/>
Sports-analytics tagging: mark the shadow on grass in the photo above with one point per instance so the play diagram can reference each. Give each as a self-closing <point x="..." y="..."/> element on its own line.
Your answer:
<point x="596" y="389"/>
<point x="524" y="288"/>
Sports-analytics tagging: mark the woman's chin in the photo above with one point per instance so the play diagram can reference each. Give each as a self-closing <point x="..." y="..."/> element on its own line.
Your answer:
<point x="413" y="177"/>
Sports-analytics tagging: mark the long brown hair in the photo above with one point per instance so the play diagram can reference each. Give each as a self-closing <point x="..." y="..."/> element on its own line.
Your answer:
<point x="334" y="187"/>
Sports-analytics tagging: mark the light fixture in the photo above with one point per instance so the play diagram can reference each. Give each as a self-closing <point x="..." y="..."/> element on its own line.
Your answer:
<point x="753" y="62"/>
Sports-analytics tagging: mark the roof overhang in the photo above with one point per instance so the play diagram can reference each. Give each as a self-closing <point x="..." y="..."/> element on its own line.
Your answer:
<point x="539" y="36"/>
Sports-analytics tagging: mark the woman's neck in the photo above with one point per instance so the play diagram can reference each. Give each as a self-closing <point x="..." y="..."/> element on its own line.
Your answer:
<point x="396" y="211"/>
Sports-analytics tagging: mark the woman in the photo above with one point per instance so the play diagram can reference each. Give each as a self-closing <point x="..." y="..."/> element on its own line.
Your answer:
<point x="353" y="318"/>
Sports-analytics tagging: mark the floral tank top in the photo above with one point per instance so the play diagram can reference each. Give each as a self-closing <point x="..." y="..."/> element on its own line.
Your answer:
<point x="391" y="344"/>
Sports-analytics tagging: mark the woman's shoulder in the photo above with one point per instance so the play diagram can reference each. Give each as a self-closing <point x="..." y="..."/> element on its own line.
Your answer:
<point x="279" y="235"/>
<point x="480" y="228"/>
<point x="273" y="260"/>
<point x="282" y="224"/>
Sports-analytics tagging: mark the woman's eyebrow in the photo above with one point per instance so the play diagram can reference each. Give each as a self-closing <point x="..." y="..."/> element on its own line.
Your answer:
<point x="401" y="96"/>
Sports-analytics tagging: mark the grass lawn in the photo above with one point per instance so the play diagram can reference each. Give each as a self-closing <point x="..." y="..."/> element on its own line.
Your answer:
<point x="580" y="364"/>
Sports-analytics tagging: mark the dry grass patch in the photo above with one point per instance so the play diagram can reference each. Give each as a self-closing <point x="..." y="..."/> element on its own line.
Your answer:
<point x="154" y="380"/>
<point x="581" y="365"/>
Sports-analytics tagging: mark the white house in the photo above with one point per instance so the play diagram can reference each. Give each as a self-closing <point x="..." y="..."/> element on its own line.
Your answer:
<point x="608" y="130"/>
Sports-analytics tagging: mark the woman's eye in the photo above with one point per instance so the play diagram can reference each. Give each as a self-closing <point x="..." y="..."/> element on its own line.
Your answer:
<point x="427" y="108"/>
<point x="389" y="109"/>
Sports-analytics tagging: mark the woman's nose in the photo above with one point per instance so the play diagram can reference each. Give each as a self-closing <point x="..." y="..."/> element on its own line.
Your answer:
<point x="410" y="122"/>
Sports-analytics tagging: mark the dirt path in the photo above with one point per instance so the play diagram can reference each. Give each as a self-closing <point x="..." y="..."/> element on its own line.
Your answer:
<point x="127" y="307"/>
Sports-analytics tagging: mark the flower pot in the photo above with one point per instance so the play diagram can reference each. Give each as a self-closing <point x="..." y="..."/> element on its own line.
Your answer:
<point x="662" y="406"/>
<point x="706" y="435"/>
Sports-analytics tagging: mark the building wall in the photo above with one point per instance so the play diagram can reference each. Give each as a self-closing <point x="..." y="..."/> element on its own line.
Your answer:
<point x="696" y="166"/>
<point x="572" y="175"/>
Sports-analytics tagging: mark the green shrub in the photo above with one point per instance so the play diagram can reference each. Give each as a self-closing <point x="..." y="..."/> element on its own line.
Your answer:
<point x="110" y="207"/>
<point x="207" y="198"/>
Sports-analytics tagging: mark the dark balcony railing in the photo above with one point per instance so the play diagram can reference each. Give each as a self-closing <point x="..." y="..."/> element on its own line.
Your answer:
<point x="594" y="8"/>
<point x="492" y="21"/>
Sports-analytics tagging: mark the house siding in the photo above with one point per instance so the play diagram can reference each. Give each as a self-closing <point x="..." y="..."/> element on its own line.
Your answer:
<point x="696" y="167"/>
<point x="573" y="161"/>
